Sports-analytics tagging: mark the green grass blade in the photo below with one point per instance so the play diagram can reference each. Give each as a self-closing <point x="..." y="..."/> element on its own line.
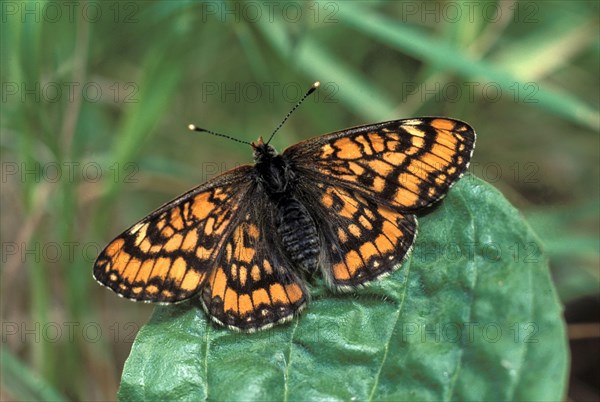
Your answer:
<point x="22" y="384"/>
<point x="419" y="44"/>
<point x="318" y="63"/>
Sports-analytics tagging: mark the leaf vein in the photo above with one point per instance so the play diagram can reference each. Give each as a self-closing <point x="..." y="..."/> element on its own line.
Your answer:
<point x="289" y="362"/>
<point x="387" y="344"/>
<point x="206" y="360"/>
<point x="470" y="262"/>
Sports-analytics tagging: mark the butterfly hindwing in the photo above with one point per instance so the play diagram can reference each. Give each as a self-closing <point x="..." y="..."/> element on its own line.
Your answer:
<point x="363" y="239"/>
<point x="408" y="163"/>
<point x="253" y="284"/>
<point x="167" y="256"/>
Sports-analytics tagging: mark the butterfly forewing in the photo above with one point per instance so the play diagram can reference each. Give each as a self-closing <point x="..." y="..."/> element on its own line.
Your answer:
<point x="407" y="163"/>
<point x="167" y="256"/>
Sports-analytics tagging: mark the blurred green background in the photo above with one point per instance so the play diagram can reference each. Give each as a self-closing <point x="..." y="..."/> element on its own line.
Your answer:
<point x="96" y="98"/>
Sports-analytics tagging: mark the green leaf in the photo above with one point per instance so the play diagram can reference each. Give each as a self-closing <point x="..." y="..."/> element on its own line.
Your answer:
<point x="472" y="315"/>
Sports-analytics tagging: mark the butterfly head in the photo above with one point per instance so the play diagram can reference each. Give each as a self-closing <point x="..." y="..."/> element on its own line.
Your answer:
<point x="262" y="150"/>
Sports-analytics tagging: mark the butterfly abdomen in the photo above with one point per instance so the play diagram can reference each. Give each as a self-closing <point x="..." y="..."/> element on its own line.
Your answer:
<point x="298" y="234"/>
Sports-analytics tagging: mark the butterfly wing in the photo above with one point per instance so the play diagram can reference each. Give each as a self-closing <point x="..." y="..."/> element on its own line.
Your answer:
<point x="167" y="256"/>
<point x="253" y="285"/>
<point x="213" y="241"/>
<point x="364" y="184"/>
<point x="363" y="239"/>
<point x="408" y="164"/>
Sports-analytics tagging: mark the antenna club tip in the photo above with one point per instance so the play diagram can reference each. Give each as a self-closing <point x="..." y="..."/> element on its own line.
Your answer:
<point x="313" y="88"/>
<point x="192" y="127"/>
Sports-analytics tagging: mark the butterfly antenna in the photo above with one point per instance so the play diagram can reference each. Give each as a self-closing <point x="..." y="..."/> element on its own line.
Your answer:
<point x="312" y="89"/>
<point x="193" y="127"/>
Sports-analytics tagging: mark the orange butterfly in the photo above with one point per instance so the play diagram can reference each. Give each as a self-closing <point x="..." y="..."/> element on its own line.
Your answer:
<point x="246" y="241"/>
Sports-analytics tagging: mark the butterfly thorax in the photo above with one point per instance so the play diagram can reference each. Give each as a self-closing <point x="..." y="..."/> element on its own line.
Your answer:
<point x="273" y="171"/>
<point x="296" y="229"/>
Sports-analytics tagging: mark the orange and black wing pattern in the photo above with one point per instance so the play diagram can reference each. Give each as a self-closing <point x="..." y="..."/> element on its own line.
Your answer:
<point x="253" y="285"/>
<point x="364" y="239"/>
<point x="168" y="256"/>
<point x="408" y="164"/>
<point x="364" y="185"/>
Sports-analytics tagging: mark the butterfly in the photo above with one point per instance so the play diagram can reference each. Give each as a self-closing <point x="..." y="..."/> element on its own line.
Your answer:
<point x="247" y="241"/>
